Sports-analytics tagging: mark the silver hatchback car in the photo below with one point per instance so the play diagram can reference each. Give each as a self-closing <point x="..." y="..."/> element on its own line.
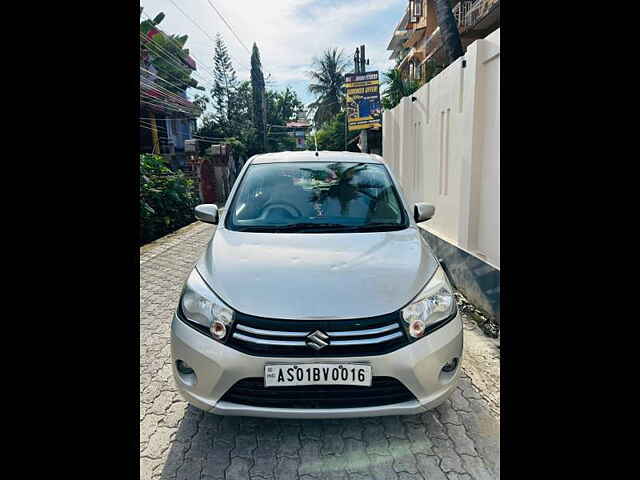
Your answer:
<point x="316" y="297"/>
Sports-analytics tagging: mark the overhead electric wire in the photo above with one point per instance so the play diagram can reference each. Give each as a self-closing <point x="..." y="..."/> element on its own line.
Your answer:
<point x="173" y="63"/>
<point x="156" y="52"/>
<point x="156" y="118"/>
<point x="200" y="28"/>
<point x="167" y="93"/>
<point x="205" y="141"/>
<point x="155" y="86"/>
<point x="165" y="106"/>
<point x="170" y="98"/>
<point x="172" y="40"/>
<point x="152" y="49"/>
<point x="196" y="136"/>
<point x="227" y="24"/>
<point x="158" y="77"/>
<point x="164" y="129"/>
<point x="160" y="51"/>
<point x="205" y="33"/>
<point x="155" y="76"/>
<point x="235" y="34"/>
<point x="171" y="59"/>
<point x="204" y="65"/>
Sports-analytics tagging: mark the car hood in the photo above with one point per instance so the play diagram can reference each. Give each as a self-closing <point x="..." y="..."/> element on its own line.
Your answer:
<point x="317" y="275"/>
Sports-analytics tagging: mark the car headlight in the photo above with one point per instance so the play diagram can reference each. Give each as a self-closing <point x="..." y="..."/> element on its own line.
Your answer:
<point x="201" y="306"/>
<point x="433" y="304"/>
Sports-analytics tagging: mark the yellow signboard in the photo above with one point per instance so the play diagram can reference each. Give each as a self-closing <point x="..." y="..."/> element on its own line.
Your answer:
<point x="363" y="100"/>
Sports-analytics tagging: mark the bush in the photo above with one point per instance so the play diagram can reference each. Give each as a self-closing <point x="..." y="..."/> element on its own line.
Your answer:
<point x="166" y="199"/>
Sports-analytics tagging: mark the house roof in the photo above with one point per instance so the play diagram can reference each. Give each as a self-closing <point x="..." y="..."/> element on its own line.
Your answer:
<point x="298" y="124"/>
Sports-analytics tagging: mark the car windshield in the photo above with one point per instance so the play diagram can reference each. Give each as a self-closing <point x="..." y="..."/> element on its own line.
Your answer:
<point x="316" y="197"/>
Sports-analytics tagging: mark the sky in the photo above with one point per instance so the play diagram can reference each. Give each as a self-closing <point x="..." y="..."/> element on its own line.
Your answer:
<point x="289" y="33"/>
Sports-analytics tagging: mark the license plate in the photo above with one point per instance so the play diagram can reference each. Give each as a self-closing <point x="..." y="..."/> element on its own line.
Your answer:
<point x="317" y="374"/>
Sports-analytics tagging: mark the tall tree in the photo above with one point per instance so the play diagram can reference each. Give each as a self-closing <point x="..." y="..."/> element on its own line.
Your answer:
<point x="259" y="101"/>
<point x="328" y="78"/>
<point x="448" y="30"/>
<point x="225" y="85"/>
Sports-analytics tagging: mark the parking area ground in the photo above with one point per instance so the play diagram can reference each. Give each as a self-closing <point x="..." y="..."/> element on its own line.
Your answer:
<point x="458" y="440"/>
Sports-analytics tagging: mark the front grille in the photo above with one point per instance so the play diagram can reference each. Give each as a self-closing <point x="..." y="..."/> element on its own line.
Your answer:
<point x="383" y="391"/>
<point x="288" y="338"/>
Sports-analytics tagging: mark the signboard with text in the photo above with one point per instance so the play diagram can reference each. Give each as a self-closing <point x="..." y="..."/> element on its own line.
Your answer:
<point x="363" y="100"/>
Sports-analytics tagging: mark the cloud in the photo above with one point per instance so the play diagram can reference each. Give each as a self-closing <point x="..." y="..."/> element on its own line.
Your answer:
<point x="289" y="33"/>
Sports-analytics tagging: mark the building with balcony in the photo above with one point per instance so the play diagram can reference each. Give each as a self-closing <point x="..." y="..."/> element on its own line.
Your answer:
<point x="416" y="42"/>
<point x="167" y="117"/>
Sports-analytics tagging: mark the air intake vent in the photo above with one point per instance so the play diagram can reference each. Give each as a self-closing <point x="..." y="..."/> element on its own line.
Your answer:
<point x="311" y="338"/>
<point x="383" y="391"/>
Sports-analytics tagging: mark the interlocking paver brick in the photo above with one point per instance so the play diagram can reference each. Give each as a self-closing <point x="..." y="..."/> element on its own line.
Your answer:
<point x="458" y="441"/>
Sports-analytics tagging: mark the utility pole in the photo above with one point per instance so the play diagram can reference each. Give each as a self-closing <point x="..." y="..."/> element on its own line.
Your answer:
<point x="364" y="137"/>
<point x="346" y="114"/>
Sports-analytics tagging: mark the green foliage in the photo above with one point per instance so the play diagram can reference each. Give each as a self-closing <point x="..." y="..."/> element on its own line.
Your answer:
<point x="241" y="129"/>
<point x="225" y="88"/>
<point x="259" y="103"/>
<point x="432" y="69"/>
<point x="396" y="88"/>
<point x="327" y="82"/>
<point x="231" y="104"/>
<point x="331" y="136"/>
<point x="166" y="199"/>
<point x="177" y="77"/>
<point x="280" y="143"/>
<point x="282" y="106"/>
<point x="234" y="108"/>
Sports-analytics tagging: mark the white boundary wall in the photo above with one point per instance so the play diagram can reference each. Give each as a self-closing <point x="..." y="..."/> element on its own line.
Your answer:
<point x="445" y="149"/>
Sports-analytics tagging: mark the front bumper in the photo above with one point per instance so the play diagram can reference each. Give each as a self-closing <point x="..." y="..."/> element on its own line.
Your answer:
<point x="218" y="367"/>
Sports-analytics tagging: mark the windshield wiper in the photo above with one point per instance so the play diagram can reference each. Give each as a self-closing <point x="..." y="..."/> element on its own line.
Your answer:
<point x="292" y="227"/>
<point x="323" y="227"/>
<point x="376" y="226"/>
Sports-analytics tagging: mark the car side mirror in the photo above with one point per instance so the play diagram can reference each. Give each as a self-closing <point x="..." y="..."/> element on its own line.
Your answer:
<point x="423" y="212"/>
<point x="207" y="212"/>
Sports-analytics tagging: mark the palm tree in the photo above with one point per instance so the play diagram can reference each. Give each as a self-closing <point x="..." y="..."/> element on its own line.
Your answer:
<point x="397" y="88"/>
<point x="448" y="30"/>
<point x="328" y="79"/>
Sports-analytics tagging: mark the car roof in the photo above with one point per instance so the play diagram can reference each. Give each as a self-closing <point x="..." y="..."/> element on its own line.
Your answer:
<point x="310" y="156"/>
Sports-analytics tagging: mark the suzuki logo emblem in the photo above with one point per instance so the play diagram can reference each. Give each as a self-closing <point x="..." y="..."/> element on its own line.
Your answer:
<point x="317" y="340"/>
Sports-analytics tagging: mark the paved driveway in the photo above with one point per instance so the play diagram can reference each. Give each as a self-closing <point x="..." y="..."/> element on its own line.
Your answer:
<point x="459" y="440"/>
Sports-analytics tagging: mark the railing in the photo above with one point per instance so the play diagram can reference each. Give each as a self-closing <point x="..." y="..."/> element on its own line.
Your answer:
<point x="461" y="10"/>
<point x="479" y="10"/>
<point x="468" y="12"/>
